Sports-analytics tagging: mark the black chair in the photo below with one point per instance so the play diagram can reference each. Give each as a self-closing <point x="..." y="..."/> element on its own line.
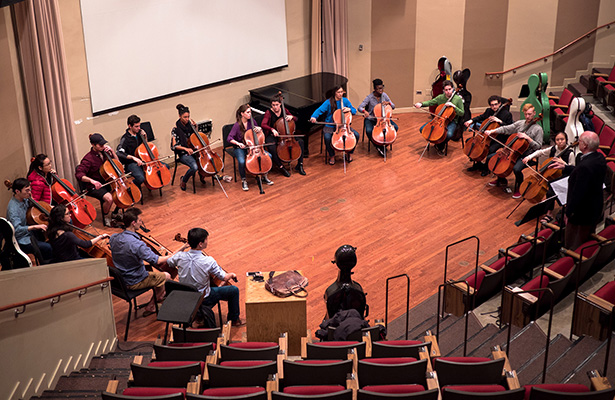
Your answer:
<point x="228" y="148"/>
<point x="248" y="373"/>
<point x="173" y="285"/>
<point x="468" y="373"/>
<point x="233" y="351"/>
<point x="399" y="348"/>
<point x="119" y="289"/>
<point x="168" y="376"/>
<point x="190" y="335"/>
<point x="538" y="393"/>
<point x="334" y="350"/>
<point x="114" y="396"/>
<point x="452" y="394"/>
<point x="306" y="373"/>
<point x="431" y="394"/>
<point x="183" y="353"/>
<point x="372" y="374"/>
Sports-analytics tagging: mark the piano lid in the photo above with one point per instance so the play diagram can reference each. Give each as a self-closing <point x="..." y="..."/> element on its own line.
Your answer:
<point x="301" y="92"/>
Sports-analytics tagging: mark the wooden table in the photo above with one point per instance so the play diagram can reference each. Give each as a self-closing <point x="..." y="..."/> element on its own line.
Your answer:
<point x="267" y="316"/>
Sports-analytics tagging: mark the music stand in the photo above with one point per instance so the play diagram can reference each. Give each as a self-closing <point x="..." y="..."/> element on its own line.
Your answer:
<point x="179" y="307"/>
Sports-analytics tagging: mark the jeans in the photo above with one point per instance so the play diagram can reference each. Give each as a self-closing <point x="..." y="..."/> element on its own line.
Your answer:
<point x="190" y="161"/>
<point x="329" y="135"/>
<point x="228" y="293"/>
<point x="46" y="251"/>
<point x="369" y="129"/>
<point x="136" y="172"/>
<point x="240" y="156"/>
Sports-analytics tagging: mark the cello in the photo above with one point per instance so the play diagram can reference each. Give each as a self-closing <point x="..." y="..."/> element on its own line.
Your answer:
<point x="435" y="131"/>
<point x="38" y="213"/>
<point x="209" y="162"/>
<point x="384" y="133"/>
<point x="160" y="250"/>
<point x="288" y="148"/>
<point x="343" y="139"/>
<point x="477" y="147"/>
<point x="574" y="127"/>
<point x="445" y="69"/>
<point x="125" y="192"/>
<point x="502" y="163"/>
<point x="157" y="174"/>
<point x="258" y="161"/>
<point x="82" y="211"/>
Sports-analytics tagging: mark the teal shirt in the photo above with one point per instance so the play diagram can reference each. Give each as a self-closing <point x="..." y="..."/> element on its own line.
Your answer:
<point x="441" y="99"/>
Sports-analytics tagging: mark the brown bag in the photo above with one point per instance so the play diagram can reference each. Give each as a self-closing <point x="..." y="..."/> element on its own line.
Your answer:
<point x="289" y="283"/>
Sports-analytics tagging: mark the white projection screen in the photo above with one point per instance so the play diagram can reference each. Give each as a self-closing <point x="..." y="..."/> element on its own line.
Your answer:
<point x="139" y="50"/>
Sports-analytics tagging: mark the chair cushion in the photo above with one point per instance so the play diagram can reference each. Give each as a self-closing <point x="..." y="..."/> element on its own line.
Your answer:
<point x="608" y="232"/>
<point x="545" y="233"/>
<point x="152" y="391"/>
<point x="522" y="248"/>
<point x="557" y="387"/>
<point x="607" y="292"/>
<point x="590" y="248"/>
<point x="390" y="360"/>
<point x="475" y="283"/>
<point x="334" y="343"/>
<point x="245" y="363"/>
<point x="171" y="364"/>
<point x="313" y="389"/>
<point x="253" y="345"/>
<point x="498" y="264"/>
<point x="562" y="266"/>
<point x="406" y="342"/>
<point x="476" y="388"/>
<point x="536" y="283"/>
<point x="399" y="389"/>
<point x="232" y="391"/>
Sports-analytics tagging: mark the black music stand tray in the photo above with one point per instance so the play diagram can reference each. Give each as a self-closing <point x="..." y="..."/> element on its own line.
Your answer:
<point x="179" y="307"/>
<point x="535" y="212"/>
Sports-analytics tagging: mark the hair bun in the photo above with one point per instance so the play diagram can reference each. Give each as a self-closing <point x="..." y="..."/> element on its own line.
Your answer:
<point x="32" y="159"/>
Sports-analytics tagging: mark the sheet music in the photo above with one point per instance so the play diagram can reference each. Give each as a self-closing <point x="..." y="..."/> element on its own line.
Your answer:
<point x="560" y="187"/>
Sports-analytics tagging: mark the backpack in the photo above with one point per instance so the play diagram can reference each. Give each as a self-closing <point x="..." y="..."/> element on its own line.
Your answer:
<point x="586" y="118"/>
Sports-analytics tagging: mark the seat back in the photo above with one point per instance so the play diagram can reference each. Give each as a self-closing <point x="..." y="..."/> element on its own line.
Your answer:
<point x="195" y="335"/>
<point x="392" y="374"/>
<point x="334" y="350"/>
<point x="234" y="353"/>
<point x="468" y="373"/>
<point x="538" y="393"/>
<point x="115" y="396"/>
<point x="399" y="348"/>
<point x="192" y="353"/>
<point x="566" y="98"/>
<point x="118" y="286"/>
<point x="598" y="124"/>
<point x="452" y="394"/>
<point x="164" y="377"/>
<point x="226" y="130"/>
<point x="431" y="394"/>
<point x="301" y="373"/>
<point x="249" y="375"/>
<point x="341" y="395"/>
<point x="260" y="395"/>
<point x="372" y="331"/>
<point x="518" y="266"/>
<point x="607" y="137"/>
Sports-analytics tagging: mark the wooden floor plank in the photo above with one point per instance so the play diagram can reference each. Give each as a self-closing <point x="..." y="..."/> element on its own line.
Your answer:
<point x="400" y="215"/>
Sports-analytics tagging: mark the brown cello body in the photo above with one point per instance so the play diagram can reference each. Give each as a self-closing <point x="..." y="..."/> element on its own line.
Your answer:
<point x="82" y="211"/>
<point x="38" y="214"/>
<point x="161" y="251"/>
<point x="97" y="250"/>
<point x="209" y="162"/>
<point x="503" y="161"/>
<point x="125" y="192"/>
<point x="157" y="174"/>
<point x="288" y="148"/>
<point x="258" y="161"/>
<point x="343" y="139"/>
<point x="477" y="147"/>
<point x="435" y="131"/>
<point x="384" y="132"/>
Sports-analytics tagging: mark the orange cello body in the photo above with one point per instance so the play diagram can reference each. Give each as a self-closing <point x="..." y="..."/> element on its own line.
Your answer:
<point x="477" y="147"/>
<point x="343" y="139"/>
<point x="82" y="211"/>
<point x="288" y="148"/>
<point x="97" y="250"/>
<point x="258" y="161"/>
<point x="38" y="214"/>
<point x="157" y="174"/>
<point x="125" y="192"/>
<point x="435" y="131"/>
<point x="209" y="162"/>
<point x="502" y="163"/>
<point x="384" y="132"/>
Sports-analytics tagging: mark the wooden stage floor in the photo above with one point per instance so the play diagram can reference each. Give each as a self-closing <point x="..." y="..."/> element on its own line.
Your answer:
<point x="400" y="215"/>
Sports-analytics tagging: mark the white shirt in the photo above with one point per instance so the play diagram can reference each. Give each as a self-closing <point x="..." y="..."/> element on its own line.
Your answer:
<point x="194" y="269"/>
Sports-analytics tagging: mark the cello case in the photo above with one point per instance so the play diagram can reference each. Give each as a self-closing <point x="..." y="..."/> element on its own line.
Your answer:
<point x="11" y="256"/>
<point x="537" y="97"/>
<point x="461" y="79"/>
<point x="344" y="293"/>
<point x="574" y="127"/>
<point x="445" y="69"/>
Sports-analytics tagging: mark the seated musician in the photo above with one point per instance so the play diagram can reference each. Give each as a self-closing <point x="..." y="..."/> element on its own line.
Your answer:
<point x="196" y="269"/>
<point x="503" y="117"/>
<point x="272" y="115"/>
<point x="40" y="178"/>
<point x="455" y="101"/>
<point x="527" y="129"/>
<point x="367" y="108"/>
<point x="126" y="150"/>
<point x="64" y="242"/>
<point x="564" y="155"/>
<point x="129" y="251"/>
<point x="180" y="144"/>
<point x="88" y="172"/>
<point x="16" y="212"/>
<point x="334" y="102"/>
<point x="236" y="138"/>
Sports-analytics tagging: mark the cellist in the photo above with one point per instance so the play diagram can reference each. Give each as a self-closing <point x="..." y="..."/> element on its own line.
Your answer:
<point x="367" y="108"/>
<point x="130" y="140"/>
<point x="272" y="115"/>
<point x="243" y="115"/>
<point x="184" y="127"/>
<point x="527" y="129"/>
<point x="40" y="178"/>
<point x="88" y="172"/>
<point x="503" y="117"/>
<point x="455" y="101"/>
<point x="335" y="101"/>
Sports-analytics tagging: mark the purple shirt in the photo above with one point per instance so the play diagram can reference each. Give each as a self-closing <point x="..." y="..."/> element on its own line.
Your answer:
<point x="236" y="133"/>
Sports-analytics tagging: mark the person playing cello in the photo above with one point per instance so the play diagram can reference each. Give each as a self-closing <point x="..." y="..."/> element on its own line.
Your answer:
<point x="367" y="108"/>
<point x="40" y="178"/>
<point x="503" y="117"/>
<point x="236" y="138"/>
<point x="527" y="129"/>
<point x="130" y="140"/>
<point x="455" y="101"/>
<point x="184" y="127"/>
<point x="334" y="102"/>
<point x="272" y="115"/>
<point x="88" y="172"/>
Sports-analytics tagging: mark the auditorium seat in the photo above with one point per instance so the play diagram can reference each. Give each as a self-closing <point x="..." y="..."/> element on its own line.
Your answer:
<point x="345" y="394"/>
<point x="564" y="391"/>
<point x="469" y="371"/>
<point x="431" y="394"/>
<point x="138" y="393"/>
<point x="334" y="350"/>
<point x="315" y="376"/>
<point x="471" y="392"/>
<point x="183" y="351"/>
<point x="559" y="109"/>
<point x="236" y="351"/>
<point x="585" y="255"/>
<point x="399" y="348"/>
<point x="600" y="76"/>
<point x="232" y="374"/>
<point x="172" y="374"/>
<point x="606" y="239"/>
<point x="607" y="137"/>
<point x="598" y="124"/>
<point x="546" y="243"/>
<point x="191" y="335"/>
<point x="592" y="312"/>
<point x="376" y="373"/>
<point x="372" y="331"/>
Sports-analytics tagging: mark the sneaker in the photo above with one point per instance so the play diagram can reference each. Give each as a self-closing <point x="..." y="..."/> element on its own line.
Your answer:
<point x="494" y="182"/>
<point x="244" y="185"/>
<point x="508" y="190"/>
<point x="238" y="322"/>
<point x="474" y="167"/>
<point x="484" y="172"/>
<point x="285" y="172"/>
<point x="267" y="181"/>
<point x="182" y="184"/>
<point x="516" y="195"/>
<point x="439" y="151"/>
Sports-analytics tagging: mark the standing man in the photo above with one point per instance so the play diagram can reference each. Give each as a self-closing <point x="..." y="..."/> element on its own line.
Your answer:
<point x="129" y="251"/>
<point x="585" y="199"/>
<point x="196" y="269"/>
<point x="130" y="140"/>
<point x="449" y="99"/>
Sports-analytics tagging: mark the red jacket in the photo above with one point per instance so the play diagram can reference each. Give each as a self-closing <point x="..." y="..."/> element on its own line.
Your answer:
<point x="41" y="190"/>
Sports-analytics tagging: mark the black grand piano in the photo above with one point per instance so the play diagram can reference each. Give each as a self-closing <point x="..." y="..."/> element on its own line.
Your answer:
<point x="301" y="96"/>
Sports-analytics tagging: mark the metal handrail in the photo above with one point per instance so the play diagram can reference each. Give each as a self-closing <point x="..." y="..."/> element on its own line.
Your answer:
<point x="446" y="257"/>
<point x="608" y="342"/>
<point x="20" y="307"/>
<point x="465" y="336"/>
<point x="386" y="307"/>
<point x="544" y="369"/>
<point x="560" y="50"/>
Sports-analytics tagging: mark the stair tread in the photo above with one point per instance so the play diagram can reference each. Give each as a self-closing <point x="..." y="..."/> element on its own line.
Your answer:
<point x="531" y="371"/>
